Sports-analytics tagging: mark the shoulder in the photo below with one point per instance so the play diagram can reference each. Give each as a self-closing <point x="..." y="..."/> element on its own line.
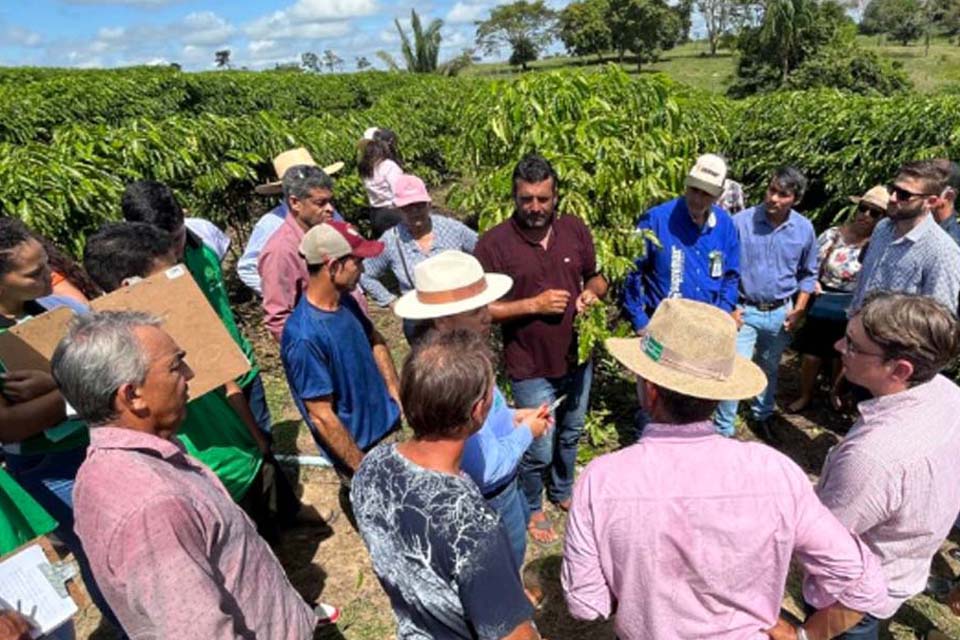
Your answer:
<point x="663" y="210"/>
<point x="803" y="222"/>
<point x="100" y="488"/>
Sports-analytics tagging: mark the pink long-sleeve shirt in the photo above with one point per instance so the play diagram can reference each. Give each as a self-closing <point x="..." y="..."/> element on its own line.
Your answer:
<point x="688" y="534"/>
<point x="172" y="553"/>
<point x="283" y="274"/>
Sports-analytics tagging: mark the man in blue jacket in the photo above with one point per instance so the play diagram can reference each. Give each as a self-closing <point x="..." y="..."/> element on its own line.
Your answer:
<point x="698" y="255"/>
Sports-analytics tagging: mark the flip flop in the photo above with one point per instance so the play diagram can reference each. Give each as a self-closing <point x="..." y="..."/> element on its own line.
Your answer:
<point x="326" y="614"/>
<point x="542" y="525"/>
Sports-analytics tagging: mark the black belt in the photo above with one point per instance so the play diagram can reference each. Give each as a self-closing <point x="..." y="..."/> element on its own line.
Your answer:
<point x="765" y="306"/>
<point x="499" y="490"/>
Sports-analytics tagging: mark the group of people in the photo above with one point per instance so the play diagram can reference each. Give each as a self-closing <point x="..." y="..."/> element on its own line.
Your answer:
<point x="170" y="503"/>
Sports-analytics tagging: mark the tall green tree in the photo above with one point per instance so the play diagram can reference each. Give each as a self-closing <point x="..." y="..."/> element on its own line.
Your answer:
<point x="643" y="27"/>
<point x="310" y="61"/>
<point x="421" y="49"/>
<point x="362" y="63"/>
<point x="222" y="58"/>
<point x="584" y="29"/>
<point x="522" y="25"/>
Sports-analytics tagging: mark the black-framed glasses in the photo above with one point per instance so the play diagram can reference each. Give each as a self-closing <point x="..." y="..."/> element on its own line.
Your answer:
<point x="871" y="211"/>
<point x="850" y="348"/>
<point x="903" y="195"/>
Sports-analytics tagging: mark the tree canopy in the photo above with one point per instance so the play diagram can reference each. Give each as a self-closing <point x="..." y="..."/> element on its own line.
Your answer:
<point x="527" y="28"/>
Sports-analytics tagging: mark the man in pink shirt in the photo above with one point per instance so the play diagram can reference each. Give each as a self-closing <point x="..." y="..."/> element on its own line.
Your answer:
<point x="688" y="534"/>
<point x="894" y="479"/>
<point x="172" y="553"/>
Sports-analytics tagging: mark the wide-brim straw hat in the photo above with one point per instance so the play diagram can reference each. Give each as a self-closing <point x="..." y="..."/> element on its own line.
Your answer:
<point x="877" y="197"/>
<point x="292" y="158"/>
<point x="449" y="283"/>
<point x="691" y="348"/>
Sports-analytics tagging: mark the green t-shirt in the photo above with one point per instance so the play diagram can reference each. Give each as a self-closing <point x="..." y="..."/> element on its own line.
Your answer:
<point x="204" y="266"/>
<point x="214" y="434"/>
<point x="21" y="518"/>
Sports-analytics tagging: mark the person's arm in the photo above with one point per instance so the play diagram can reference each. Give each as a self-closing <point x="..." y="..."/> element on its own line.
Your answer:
<point x="730" y="287"/>
<point x="943" y="281"/>
<point x="160" y="556"/>
<point x="278" y="280"/>
<point x="14" y="626"/>
<point x="549" y="302"/>
<point x="373" y="269"/>
<point x="239" y="403"/>
<point x="807" y="282"/>
<point x="22" y="420"/>
<point x="523" y="631"/>
<point x="595" y="289"/>
<point x="584" y="588"/>
<point x="381" y="355"/>
<point x="595" y="285"/>
<point x="859" y="491"/>
<point x="332" y="431"/>
<point x="468" y="237"/>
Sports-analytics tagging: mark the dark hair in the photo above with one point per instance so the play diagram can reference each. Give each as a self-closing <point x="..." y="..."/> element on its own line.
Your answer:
<point x="684" y="409"/>
<point x="952" y="170"/>
<point x="534" y="168"/>
<point x="68" y="268"/>
<point x="299" y="180"/>
<point x="914" y="328"/>
<point x="790" y="179"/>
<point x="121" y="250"/>
<point x="13" y="233"/>
<point x="382" y="147"/>
<point x="443" y="377"/>
<point x="152" y="202"/>
<point x="934" y="174"/>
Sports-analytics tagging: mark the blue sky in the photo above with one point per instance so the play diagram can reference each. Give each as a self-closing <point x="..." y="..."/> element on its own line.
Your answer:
<point x="259" y="33"/>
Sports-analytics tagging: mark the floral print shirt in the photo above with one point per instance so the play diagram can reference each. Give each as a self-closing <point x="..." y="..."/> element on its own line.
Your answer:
<point x="839" y="261"/>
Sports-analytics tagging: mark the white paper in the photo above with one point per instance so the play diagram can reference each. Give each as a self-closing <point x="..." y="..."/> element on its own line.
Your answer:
<point x="24" y="588"/>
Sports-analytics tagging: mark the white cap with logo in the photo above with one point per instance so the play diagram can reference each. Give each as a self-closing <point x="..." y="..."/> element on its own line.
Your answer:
<point x="708" y="174"/>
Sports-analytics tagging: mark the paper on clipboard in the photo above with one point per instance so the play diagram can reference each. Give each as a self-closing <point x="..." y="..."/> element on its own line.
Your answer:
<point x="25" y="588"/>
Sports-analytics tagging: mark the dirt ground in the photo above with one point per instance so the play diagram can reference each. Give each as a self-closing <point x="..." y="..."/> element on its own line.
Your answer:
<point x="332" y="564"/>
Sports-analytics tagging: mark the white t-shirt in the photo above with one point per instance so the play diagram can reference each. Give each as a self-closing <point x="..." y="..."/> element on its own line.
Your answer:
<point x="380" y="185"/>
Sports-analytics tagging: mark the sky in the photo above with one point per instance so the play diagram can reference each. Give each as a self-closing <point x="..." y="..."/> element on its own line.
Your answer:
<point x="259" y="33"/>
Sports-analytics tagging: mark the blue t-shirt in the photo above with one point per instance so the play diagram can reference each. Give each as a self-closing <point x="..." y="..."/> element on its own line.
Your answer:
<point x="327" y="353"/>
<point x="440" y="552"/>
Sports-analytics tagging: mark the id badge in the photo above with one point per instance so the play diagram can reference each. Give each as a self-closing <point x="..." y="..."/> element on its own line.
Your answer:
<point x="716" y="264"/>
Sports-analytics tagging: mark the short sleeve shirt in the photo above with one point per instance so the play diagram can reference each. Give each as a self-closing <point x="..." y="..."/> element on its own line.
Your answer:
<point x="440" y="552"/>
<point x="327" y="353"/>
<point x="540" y="346"/>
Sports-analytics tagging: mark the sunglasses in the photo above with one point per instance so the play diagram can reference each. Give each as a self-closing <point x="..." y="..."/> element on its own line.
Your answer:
<point x="904" y="195"/>
<point x="874" y="213"/>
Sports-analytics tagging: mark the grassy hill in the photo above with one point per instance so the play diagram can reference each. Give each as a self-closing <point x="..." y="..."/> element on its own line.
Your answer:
<point x="689" y="63"/>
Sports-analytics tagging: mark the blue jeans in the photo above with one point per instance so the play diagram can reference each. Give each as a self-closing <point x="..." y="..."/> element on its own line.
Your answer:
<point x="511" y="506"/>
<point x="763" y="339"/>
<point x="49" y="479"/>
<point x="256" y="397"/>
<point x="551" y="457"/>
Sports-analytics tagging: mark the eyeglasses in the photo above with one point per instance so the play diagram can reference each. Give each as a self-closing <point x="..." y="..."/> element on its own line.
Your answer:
<point x="849" y="348"/>
<point x="872" y="212"/>
<point x="904" y="195"/>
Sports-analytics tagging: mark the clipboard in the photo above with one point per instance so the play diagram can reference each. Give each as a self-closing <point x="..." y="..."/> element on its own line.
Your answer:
<point x="40" y="585"/>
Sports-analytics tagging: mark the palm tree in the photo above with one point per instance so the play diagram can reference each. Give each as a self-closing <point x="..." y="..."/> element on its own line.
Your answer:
<point x="784" y="22"/>
<point x="421" y="54"/>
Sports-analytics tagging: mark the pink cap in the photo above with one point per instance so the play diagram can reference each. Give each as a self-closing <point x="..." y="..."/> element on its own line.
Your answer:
<point x="409" y="189"/>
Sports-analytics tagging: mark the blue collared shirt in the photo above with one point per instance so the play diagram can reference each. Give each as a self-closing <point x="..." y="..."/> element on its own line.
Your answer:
<point x="491" y="455"/>
<point x="776" y="262"/>
<point x="952" y="226"/>
<point x="698" y="263"/>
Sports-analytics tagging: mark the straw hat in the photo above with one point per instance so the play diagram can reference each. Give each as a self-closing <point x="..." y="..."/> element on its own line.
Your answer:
<point x="450" y="283"/>
<point x="292" y="158"/>
<point x="691" y="348"/>
<point x="877" y="197"/>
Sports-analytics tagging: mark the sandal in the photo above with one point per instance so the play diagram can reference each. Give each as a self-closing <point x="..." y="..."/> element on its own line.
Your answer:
<point x="541" y="529"/>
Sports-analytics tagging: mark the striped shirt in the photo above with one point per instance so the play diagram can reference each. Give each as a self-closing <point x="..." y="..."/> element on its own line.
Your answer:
<point x="401" y="254"/>
<point x="925" y="261"/>
<point x="894" y="481"/>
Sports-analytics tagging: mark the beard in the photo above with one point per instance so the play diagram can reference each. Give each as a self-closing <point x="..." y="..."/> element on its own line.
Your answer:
<point x="534" y="220"/>
<point x="906" y="212"/>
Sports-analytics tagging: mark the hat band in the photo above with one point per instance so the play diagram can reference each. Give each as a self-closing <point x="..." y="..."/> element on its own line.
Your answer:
<point x="715" y="369"/>
<point x="453" y="295"/>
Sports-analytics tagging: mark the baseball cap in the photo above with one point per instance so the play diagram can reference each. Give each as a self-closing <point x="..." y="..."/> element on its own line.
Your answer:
<point x="708" y="174"/>
<point x="334" y="240"/>
<point x="409" y="189"/>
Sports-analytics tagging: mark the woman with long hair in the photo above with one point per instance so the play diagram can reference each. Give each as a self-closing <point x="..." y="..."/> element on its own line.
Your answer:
<point x="379" y="168"/>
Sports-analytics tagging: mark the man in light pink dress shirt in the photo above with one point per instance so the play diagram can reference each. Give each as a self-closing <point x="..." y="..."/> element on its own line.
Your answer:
<point x="172" y="553"/>
<point x="894" y="479"/>
<point x="688" y="534"/>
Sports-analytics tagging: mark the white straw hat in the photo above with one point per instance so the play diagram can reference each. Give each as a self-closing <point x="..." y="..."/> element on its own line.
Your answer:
<point x="292" y="158"/>
<point x="450" y="283"/>
<point x="691" y="347"/>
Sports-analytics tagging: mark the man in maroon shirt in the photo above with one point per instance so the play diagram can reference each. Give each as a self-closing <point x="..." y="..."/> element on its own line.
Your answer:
<point x="552" y="261"/>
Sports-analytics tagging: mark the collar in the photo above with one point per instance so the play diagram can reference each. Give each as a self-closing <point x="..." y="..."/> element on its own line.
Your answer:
<point x="918" y="231"/>
<point x="291" y="221"/>
<point x="760" y="216"/>
<point x="684" y="431"/>
<point x="517" y="229"/>
<point x="872" y="410"/>
<point x="116" y="437"/>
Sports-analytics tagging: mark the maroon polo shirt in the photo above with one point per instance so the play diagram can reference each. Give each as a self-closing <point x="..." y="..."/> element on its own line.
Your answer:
<point x="540" y="346"/>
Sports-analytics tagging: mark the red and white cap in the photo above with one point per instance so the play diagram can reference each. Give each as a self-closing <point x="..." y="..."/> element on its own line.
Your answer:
<point x="334" y="240"/>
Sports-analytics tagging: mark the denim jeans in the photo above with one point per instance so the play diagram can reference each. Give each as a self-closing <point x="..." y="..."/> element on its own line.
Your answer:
<point x="511" y="506"/>
<point x="49" y="479"/>
<point x="256" y="397"/>
<point x="763" y="339"/>
<point x="552" y="456"/>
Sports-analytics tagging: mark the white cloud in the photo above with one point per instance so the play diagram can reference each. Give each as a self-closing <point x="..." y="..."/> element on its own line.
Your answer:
<point x="206" y="28"/>
<point x="331" y="10"/>
<point x="129" y="3"/>
<point x="467" y="13"/>
<point x="21" y="37"/>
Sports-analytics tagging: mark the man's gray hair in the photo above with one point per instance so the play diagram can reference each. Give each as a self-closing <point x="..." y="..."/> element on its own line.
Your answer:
<point x="299" y="180"/>
<point x="100" y="354"/>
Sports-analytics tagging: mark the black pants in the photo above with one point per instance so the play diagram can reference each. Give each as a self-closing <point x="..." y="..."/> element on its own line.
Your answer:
<point x="271" y="501"/>
<point x="382" y="219"/>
